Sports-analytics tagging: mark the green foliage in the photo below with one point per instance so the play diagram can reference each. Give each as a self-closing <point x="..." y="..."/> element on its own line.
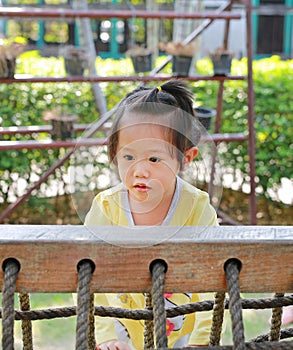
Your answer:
<point x="24" y="104"/>
<point x="273" y="86"/>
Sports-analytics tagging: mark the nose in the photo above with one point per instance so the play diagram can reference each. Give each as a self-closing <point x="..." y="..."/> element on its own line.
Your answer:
<point x="140" y="169"/>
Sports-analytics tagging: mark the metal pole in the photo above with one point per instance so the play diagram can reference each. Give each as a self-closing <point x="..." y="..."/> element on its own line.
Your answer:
<point x="250" y="93"/>
<point x="55" y="166"/>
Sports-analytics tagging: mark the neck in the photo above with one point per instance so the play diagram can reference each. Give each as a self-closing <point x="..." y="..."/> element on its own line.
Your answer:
<point x="153" y="217"/>
<point x="149" y="214"/>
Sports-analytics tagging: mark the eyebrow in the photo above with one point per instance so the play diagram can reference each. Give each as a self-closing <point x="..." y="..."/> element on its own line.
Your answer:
<point x="151" y="150"/>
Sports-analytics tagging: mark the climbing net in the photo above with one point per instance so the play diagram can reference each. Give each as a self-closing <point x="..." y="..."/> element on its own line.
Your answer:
<point x="154" y="314"/>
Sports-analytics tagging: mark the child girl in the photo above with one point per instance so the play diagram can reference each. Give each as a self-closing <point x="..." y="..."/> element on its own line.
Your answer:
<point x="154" y="137"/>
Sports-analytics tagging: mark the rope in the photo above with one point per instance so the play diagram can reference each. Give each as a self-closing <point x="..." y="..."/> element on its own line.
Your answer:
<point x="86" y="311"/>
<point x="232" y="274"/>
<point x="207" y="305"/>
<point x="276" y="321"/>
<point x="158" y="279"/>
<point x="11" y="268"/>
<point x="148" y="325"/>
<point x="83" y="305"/>
<point x="91" y="325"/>
<point x="218" y="316"/>
<point x="26" y="325"/>
<point x="284" y="334"/>
<point x="247" y="346"/>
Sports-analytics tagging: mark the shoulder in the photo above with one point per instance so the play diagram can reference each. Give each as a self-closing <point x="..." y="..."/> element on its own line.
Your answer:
<point x="105" y="206"/>
<point x="188" y="190"/>
<point x="196" y="205"/>
<point x="108" y="195"/>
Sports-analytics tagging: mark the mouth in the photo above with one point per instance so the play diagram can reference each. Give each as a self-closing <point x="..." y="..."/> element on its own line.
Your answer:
<point x="141" y="187"/>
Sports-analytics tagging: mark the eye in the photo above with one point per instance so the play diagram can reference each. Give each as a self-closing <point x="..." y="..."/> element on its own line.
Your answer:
<point x="128" y="157"/>
<point x="154" y="159"/>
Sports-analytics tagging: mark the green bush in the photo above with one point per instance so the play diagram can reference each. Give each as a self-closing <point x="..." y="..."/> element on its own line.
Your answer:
<point x="273" y="86"/>
<point x="24" y="104"/>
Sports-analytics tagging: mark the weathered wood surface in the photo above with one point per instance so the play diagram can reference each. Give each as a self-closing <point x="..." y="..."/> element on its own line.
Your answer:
<point x="195" y="256"/>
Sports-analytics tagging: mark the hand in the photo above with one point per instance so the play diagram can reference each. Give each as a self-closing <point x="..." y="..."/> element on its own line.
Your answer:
<point x="113" y="345"/>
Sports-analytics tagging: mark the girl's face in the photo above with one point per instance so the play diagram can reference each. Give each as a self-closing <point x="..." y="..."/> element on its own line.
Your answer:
<point x="147" y="163"/>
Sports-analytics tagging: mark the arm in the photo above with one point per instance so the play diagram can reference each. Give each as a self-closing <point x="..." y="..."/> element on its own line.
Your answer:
<point x="104" y="326"/>
<point x="200" y="335"/>
<point x="96" y="216"/>
<point x="105" y="331"/>
<point x="113" y="345"/>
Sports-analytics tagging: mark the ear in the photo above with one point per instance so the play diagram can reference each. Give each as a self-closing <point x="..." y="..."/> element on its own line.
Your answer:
<point x="189" y="155"/>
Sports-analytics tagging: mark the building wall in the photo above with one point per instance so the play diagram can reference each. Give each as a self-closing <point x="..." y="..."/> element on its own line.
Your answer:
<point x="213" y="36"/>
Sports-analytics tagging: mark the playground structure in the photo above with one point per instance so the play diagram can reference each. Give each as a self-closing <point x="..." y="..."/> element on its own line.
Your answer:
<point x="218" y="259"/>
<point x="68" y="258"/>
<point x="225" y="12"/>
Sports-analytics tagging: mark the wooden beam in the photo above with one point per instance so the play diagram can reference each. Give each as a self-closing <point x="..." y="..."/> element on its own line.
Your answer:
<point x="48" y="256"/>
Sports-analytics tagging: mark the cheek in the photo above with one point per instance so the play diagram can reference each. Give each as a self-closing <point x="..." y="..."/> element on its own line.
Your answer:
<point x="167" y="172"/>
<point x="172" y="168"/>
<point x="123" y="170"/>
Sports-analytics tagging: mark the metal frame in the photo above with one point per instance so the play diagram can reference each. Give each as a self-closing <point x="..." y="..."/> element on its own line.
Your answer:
<point x="221" y="13"/>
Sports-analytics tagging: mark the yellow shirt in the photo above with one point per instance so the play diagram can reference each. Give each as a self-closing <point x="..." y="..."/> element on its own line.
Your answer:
<point x="190" y="207"/>
<point x="191" y="329"/>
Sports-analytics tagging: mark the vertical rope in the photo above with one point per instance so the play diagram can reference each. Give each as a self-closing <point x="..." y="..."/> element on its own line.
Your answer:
<point x="83" y="305"/>
<point x="26" y="325"/>
<point x="11" y="268"/>
<point x="218" y="316"/>
<point x="148" y="325"/>
<point x="235" y="307"/>
<point x="276" y="321"/>
<point x="92" y="341"/>
<point x="158" y="279"/>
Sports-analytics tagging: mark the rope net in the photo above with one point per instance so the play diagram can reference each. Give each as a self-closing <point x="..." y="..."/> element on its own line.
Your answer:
<point x="154" y="313"/>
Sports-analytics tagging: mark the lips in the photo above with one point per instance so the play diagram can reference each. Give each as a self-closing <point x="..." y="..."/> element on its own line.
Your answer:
<point x="141" y="187"/>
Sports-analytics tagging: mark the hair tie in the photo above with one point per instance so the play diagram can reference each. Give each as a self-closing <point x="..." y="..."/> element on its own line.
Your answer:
<point x="159" y="88"/>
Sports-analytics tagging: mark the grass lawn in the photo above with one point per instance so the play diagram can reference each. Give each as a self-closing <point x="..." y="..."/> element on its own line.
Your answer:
<point x="53" y="334"/>
<point x="256" y="322"/>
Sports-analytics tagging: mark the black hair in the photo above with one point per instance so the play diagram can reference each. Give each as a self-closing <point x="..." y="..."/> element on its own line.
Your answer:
<point x="173" y="102"/>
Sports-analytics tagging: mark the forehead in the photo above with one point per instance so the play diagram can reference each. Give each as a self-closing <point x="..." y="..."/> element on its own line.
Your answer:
<point x="133" y="117"/>
<point x="143" y="132"/>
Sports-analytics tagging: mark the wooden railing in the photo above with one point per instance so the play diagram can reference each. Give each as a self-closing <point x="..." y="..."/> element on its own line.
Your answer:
<point x="49" y="255"/>
<point x="147" y="259"/>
